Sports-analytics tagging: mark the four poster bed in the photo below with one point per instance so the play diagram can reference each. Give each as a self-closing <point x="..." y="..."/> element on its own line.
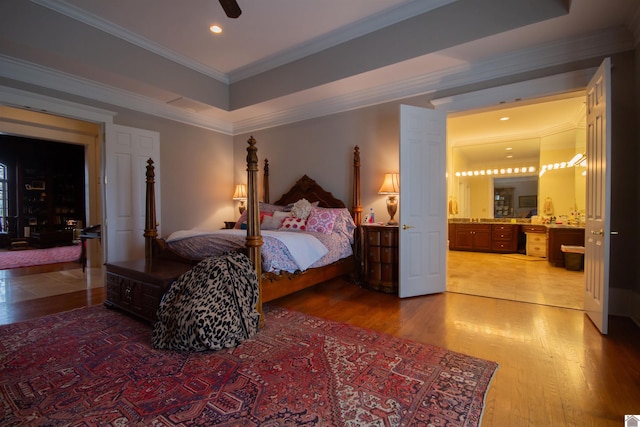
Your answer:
<point x="262" y="243"/>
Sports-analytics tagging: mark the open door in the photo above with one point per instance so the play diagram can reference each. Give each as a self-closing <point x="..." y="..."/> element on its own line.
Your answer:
<point x="127" y="151"/>
<point x="598" y="206"/>
<point x="423" y="198"/>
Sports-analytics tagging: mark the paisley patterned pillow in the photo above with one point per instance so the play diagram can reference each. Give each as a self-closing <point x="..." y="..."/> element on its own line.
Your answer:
<point x="322" y="220"/>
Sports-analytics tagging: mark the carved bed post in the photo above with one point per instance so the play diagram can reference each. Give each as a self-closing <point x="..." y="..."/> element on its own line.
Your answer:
<point x="254" y="239"/>
<point x="356" y="206"/>
<point x="265" y="196"/>
<point x="150" y="226"/>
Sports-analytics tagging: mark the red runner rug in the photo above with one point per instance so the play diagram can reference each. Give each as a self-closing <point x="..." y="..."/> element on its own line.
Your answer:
<point x="29" y="257"/>
<point x="94" y="366"/>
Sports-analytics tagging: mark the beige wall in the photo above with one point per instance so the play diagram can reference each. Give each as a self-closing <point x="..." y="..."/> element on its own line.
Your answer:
<point x="197" y="173"/>
<point x="322" y="148"/>
<point x="558" y="184"/>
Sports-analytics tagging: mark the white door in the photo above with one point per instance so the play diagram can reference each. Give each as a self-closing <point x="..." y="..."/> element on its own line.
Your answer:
<point x="127" y="152"/>
<point x="598" y="228"/>
<point x="423" y="201"/>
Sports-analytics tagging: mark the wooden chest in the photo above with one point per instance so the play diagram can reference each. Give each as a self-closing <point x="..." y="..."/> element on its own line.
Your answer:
<point x="137" y="286"/>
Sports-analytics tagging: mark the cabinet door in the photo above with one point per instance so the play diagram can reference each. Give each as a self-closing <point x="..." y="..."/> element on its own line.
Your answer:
<point x="482" y="238"/>
<point x="463" y="238"/>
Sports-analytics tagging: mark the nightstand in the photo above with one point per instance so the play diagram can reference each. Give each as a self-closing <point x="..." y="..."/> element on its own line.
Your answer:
<point x="380" y="254"/>
<point x="137" y="286"/>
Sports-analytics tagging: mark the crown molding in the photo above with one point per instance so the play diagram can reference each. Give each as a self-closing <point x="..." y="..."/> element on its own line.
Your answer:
<point x="588" y="46"/>
<point x="12" y="97"/>
<point x="334" y="38"/>
<point x="85" y="17"/>
<point x="357" y="29"/>
<point x="34" y="74"/>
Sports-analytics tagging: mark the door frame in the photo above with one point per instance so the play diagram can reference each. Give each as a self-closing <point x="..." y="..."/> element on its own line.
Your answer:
<point x="26" y="101"/>
<point x="547" y="87"/>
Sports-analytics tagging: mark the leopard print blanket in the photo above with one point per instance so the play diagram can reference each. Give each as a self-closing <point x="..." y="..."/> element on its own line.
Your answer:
<point x="210" y="307"/>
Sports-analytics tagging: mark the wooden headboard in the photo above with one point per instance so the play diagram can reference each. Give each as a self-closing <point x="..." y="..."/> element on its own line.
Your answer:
<point x="307" y="188"/>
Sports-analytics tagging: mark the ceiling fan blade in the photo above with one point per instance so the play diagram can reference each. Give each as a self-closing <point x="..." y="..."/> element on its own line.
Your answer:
<point x="231" y="8"/>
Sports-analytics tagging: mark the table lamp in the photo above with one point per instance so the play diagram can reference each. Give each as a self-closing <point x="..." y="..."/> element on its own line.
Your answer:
<point x="241" y="195"/>
<point x="391" y="187"/>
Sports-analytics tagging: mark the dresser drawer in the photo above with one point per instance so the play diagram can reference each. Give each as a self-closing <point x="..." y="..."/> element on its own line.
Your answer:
<point x="537" y="238"/>
<point x="534" y="229"/>
<point x="502" y="234"/>
<point x="537" y="250"/>
<point x="380" y="253"/>
<point x="537" y="245"/>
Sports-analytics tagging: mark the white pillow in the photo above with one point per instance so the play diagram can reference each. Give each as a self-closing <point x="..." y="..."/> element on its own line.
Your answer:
<point x="270" y="222"/>
<point x="301" y="209"/>
<point x="282" y="215"/>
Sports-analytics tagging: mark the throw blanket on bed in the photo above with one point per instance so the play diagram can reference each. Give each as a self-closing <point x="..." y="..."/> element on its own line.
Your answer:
<point x="210" y="307"/>
<point x="303" y="249"/>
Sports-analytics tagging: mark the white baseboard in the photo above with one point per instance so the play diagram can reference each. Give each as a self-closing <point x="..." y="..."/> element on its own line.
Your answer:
<point x="625" y="302"/>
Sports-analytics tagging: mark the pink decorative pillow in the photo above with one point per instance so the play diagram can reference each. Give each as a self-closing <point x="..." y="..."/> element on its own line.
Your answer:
<point x="321" y="220"/>
<point x="293" y="224"/>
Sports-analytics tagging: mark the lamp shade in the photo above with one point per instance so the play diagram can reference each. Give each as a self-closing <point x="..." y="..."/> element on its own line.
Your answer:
<point x="240" y="193"/>
<point x="391" y="184"/>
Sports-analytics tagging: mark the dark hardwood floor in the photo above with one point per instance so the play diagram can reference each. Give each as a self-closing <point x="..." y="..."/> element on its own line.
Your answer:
<point x="555" y="367"/>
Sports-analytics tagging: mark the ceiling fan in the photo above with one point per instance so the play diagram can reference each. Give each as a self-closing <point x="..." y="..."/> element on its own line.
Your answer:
<point x="231" y="8"/>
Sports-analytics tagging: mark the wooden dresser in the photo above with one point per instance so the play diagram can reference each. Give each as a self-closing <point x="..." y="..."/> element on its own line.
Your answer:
<point x="137" y="286"/>
<point x="380" y="254"/>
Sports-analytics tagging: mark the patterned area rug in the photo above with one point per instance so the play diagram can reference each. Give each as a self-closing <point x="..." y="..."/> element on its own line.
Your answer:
<point x="29" y="257"/>
<point x="94" y="366"/>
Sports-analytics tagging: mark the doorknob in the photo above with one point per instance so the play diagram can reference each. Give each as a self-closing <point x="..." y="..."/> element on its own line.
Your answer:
<point x="598" y="233"/>
<point x="406" y="227"/>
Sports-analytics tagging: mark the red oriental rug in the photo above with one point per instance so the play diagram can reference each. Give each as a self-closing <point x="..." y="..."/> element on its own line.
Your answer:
<point x="94" y="366"/>
<point x="29" y="257"/>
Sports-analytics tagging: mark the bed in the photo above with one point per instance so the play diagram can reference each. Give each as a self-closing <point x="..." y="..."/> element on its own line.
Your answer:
<point x="276" y="279"/>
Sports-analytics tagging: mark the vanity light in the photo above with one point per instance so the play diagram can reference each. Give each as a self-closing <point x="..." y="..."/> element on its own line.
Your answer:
<point x="577" y="160"/>
<point x="504" y="171"/>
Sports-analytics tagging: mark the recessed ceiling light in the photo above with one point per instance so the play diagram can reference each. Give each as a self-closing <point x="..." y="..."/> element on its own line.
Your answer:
<point x="215" y="29"/>
<point x="504" y="119"/>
